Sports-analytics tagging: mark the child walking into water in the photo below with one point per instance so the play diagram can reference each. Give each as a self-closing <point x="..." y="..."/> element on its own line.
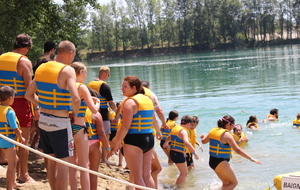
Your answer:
<point x="179" y="142"/>
<point x="9" y="128"/>
<point x="193" y="140"/>
<point x="239" y="136"/>
<point x="171" y="122"/>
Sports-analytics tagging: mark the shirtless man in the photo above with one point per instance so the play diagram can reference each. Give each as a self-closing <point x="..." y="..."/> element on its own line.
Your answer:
<point x="55" y="83"/>
<point x="15" y="71"/>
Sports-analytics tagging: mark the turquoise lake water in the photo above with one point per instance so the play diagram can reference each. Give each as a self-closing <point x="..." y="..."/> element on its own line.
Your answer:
<point x="213" y="84"/>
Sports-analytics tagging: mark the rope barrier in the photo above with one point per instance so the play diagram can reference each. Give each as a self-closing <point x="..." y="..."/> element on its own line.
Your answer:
<point x="72" y="165"/>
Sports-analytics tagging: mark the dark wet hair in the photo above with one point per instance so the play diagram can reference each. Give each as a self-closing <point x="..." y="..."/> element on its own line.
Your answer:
<point x="274" y="111"/>
<point x="22" y="41"/>
<point x="186" y="119"/>
<point x="252" y="118"/>
<point x="93" y="92"/>
<point x="145" y="84"/>
<point x="48" y="46"/>
<point x="6" y="92"/>
<point x="172" y="115"/>
<point x="135" y="81"/>
<point x="222" y="122"/>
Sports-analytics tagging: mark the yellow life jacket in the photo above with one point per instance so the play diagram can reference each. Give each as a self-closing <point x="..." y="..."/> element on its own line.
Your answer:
<point x="8" y="72"/>
<point x="176" y="142"/>
<point x="142" y="121"/>
<point x="270" y="115"/>
<point x="96" y="85"/>
<point x="83" y="105"/>
<point x="166" y="132"/>
<point x="237" y="138"/>
<point x="5" y="129"/>
<point x="252" y="124"/>
<point x="296" y="122"/>
<point x="216" y="147"/>
<point x="148" y="92"/>
<point x="114" y="126"/>
<point x="91" y="127"/>
<point x="50" y="95"/>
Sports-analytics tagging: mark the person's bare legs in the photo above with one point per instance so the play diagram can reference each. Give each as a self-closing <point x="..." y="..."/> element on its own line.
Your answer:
<point x="23" y="158"/>
<point x="183" y="172"/>
<point x="57" y="174"/>
<point x="155" y="168"/>
<point x="227" y="175"/>
<point x="73" y="171"/>
<point x="12" y="160"/>
<point x="2" y="157"/>
<point x="82" y="151"/>
<point x="139" y="164"/>
<point x="94" y="157"/>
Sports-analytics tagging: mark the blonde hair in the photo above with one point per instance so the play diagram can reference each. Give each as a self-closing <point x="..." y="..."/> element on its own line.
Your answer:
<point x="104" y="69"/>
<point x="78" y="66"/>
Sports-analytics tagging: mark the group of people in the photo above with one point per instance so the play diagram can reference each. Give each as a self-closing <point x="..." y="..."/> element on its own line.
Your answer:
<point x="73" y="118"/>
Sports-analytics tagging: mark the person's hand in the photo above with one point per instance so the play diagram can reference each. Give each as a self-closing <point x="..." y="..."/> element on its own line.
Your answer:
<point x="36" y="116"/>
<point x="114" y="147"/>
<point x="165" y="145"/>
<point x="158" y="136"/>
<point x="166" y="126"/>
<point x="196" y="156"/>
<point x="255" y="160"/>
<point x="202" y="136"/>
<point x="114" y="120"/>
<point x="201" y="148"/>
<point x="22" y="140"/>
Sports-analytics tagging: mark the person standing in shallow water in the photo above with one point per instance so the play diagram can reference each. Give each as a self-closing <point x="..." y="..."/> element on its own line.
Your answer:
<point x="221" y="142"/>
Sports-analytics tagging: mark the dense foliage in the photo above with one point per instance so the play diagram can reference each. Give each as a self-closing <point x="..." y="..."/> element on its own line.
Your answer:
<point x="140" y="24"/>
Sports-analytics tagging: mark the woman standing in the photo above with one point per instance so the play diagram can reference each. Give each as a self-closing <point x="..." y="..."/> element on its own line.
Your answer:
<point x="221" y="142"/>
<point x="79" y="129"/>
<point x="137" y="112"/>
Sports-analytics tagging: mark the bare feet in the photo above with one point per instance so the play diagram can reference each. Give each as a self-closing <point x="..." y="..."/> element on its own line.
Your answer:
<point x="16" y="185"/>
<point x="26" y="180"/>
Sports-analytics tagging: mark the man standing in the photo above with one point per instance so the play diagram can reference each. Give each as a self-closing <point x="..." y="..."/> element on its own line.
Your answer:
<point x="15" y="71"/>
<point x="106" y="100"/>
<point x="55" y="83"/>
<point x="49" y="50"/>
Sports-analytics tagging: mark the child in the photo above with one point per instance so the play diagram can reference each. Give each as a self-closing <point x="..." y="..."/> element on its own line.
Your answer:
<point x="179" y="143"/>
<point x="96" y="133"/>
<point x="221" y="142"/>
<point x="296" y="122"/>
<point x="252" y="123"/>
<point x="193" y="140"/>
<point x="9" y="127"/>
<point x="273" y="116"/>
<point x="171" y="122"/>
<point x="239" y="136"/>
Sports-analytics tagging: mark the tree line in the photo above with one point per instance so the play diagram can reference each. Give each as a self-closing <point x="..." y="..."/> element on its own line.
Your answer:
<point x="148" y="24"/>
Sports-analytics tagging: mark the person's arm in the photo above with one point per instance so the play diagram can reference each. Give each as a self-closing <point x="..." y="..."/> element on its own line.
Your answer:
<point x="88" y="99"/>
<point x="159" y="111"/>
<point x="31" y="96"/>
<point x="112" y="105"/>
<point x="129" y="109"/>
<point x="156" y="127"/>
<point x="70" y="78"/>
<point x="100" y="131"/>
<point x="228" y="138"/>
<point x="11" y="120"/>
<point x="183" y="135"/>
<point x="24" y="69"/>
<point x="167" y="141"/>
<point x="204" y="138"/>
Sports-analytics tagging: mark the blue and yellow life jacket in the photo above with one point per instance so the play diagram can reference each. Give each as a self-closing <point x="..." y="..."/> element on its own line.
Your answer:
<point x="5" y="129"/>
<point x="114" y="126"/>
<point x="237" y="138"/>
<point x="166" y="132"/>
<point x="147" y="91"/>
<point x="92" y="131"/>
<point x="296" y="122"/>
<point x="8" y="72"/>
<point x="50" y="95"/>
<point x="142" y="120"/>
<point x="176" y="142"/>
<point x="96" y="85"/>
<point x="216" y="147"/>
<point x="83" y="105"/>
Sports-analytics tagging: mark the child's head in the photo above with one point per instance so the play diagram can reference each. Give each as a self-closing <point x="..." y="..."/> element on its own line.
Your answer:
<point x="237" y="129"/>
<point x="253" y="118"/>
<point x="195" y="121"/>
<point x="6" y="92"/>
<point x="173" y="115"/>
<point x="93" y="92"/>
<point x="298" y="116"/>
<point x="225" y="120"/>
<point x="274" y="112"/>
<point x="186" y="120"/>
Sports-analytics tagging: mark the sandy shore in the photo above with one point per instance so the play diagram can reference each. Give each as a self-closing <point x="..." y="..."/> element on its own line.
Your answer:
<point x="38" y="172"/>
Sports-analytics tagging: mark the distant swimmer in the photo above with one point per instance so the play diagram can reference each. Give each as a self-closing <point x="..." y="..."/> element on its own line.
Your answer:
<point x="296" y="122"/>
<point x="221" y="142"/>
<point x="273" y="116"/>
<point x="252" y="123"/>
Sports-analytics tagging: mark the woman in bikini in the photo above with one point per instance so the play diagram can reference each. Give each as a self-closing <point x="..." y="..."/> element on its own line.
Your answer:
<point x="79" y="129"/>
